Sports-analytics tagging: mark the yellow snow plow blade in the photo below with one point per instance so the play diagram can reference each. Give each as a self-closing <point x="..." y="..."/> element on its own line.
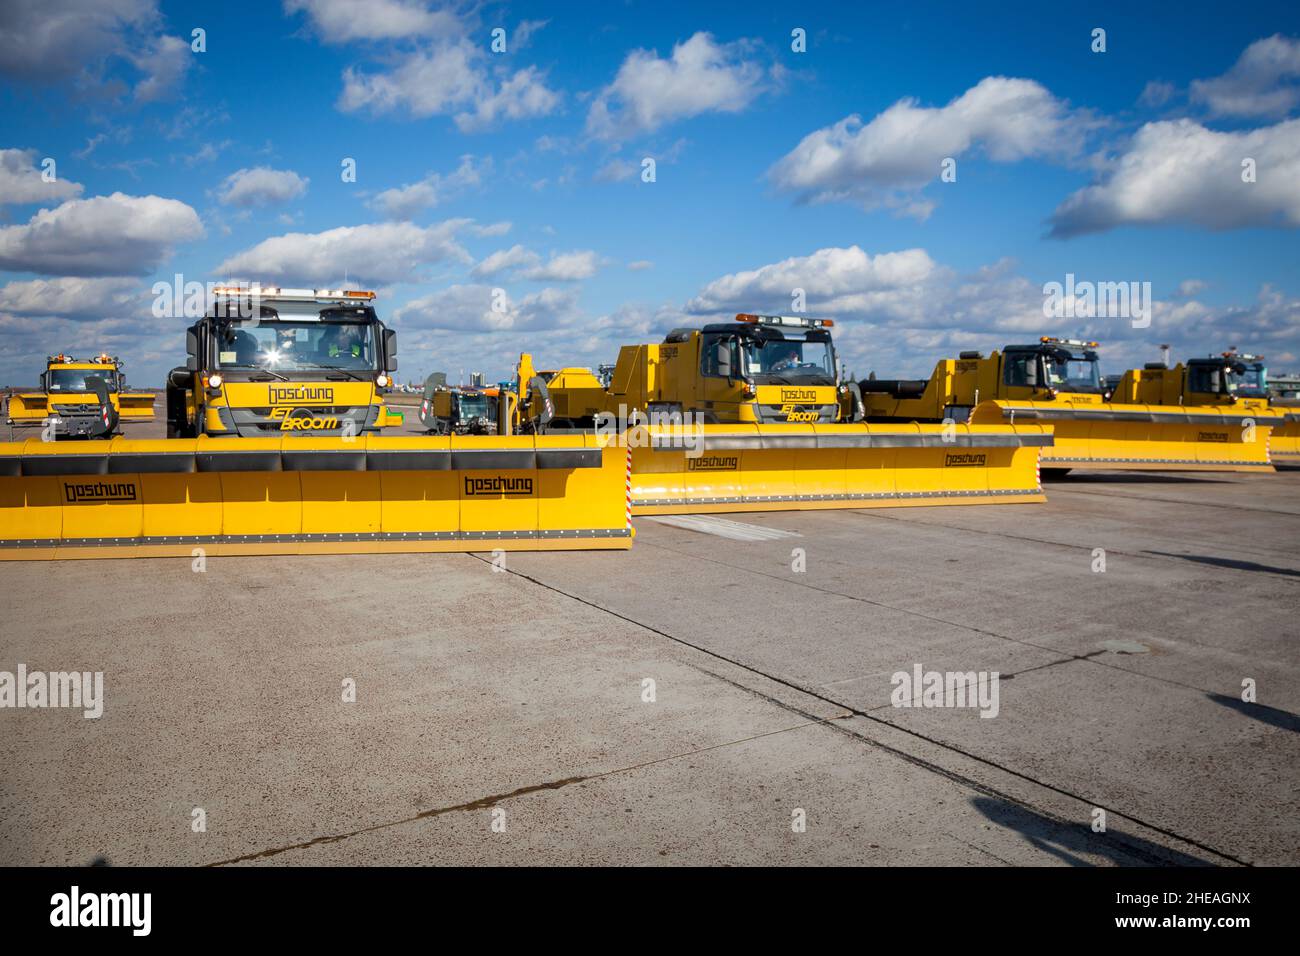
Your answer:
<point x="1285" y="439"/>
<point x="135" y="406"/>
<point x="371" y="494"/>
<point x="1143" y="437"/>
<point x="728" y="468"/>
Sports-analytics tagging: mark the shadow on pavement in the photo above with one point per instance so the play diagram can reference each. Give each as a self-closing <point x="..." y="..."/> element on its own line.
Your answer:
<point x="1070" y="843"/>
<point x="1265" y="715"/>
<point x="1229" y="563"/>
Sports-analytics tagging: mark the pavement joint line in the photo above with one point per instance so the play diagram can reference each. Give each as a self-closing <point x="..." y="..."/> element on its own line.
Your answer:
<point x="866" y="715"/>
<point x="1091" y="656"/>
<point x="483" y="803"/>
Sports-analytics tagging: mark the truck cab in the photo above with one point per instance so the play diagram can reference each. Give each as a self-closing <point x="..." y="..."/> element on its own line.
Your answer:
<point x="1230" y="378"/>
<point x="268" y="362"/>
<point x="81" y="399"/>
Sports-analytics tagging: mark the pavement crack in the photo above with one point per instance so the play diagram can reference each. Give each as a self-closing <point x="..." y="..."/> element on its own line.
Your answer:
<point x="483" y="803"/>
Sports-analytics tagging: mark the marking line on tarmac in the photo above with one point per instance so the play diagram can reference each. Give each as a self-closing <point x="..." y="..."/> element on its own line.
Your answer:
<point x="724" y="527"/>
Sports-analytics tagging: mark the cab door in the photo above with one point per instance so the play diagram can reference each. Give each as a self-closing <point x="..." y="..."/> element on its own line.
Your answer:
<point x="1022" y="377"/>
<point x="720" y="392"/>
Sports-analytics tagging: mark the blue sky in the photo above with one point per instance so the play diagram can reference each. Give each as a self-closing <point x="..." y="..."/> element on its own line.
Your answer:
<point x="522" y="172"/>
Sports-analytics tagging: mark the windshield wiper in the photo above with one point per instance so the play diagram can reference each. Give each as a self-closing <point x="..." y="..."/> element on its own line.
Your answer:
<point x="345" y="371"/>
<point x="283" y="378"/>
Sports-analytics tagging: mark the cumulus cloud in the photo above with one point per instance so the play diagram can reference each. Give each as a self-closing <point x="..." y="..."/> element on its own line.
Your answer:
<point x="481" y="308"/>
<point x="1179" y="172"/>
<point x="523" y="263"/>
<point x="21" y="182"/>
<point x="49" y="41"/>
<point x="1264" y="82"/>
<point x="375" y="253"/>
<point x="897" y="313"/>
<point x="339" y="21"/>
<point x="261" y="186"/>
<point x="406" y="201"/>
<point x="71" y="297"/>
<point x="105" y="235"/>
<point x="700" y="76"/>
<point x="449" y="78"/>
<point x="884" y="162"/>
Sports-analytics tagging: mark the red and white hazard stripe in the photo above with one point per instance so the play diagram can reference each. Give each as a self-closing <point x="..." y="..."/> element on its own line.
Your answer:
<point x="628" y="486"/>
<point x="1038" y="469"/>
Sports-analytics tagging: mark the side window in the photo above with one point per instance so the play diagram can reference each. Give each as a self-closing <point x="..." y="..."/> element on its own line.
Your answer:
<point x="1200" y="379"/>
<point x="719" y="356"/>
<point x="1019" y="369"/>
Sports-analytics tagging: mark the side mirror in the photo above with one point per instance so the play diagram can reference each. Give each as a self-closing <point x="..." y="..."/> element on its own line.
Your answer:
<point x="724" y="360"/>
<point x="191" y="350"/>
<point x="390" y="350"/>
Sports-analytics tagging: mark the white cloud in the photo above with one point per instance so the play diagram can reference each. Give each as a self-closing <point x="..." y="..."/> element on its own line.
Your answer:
<point x="1262" y="83"/>
<point x="470" y="308"/>
<point x="406" y="201"/>
<point x="564" y="267"/>
<point x="523" y="263"/>
<point x="49" y="41"/>
<point x="504" y="259"/>
<point x="375" y="253"/>
<point x="73" y="298"/>
<point x="1156" y="94"/>
<point x="338" y="21"/>
<point x="835" y="280"/>
<point x="164" y="64"/>
<point x="21" y="182"/>
<point x="616" y="170"/>
<point x="898" y="313"/>
<point x="640" y="265"/>
<point x="1190" y="287"/>
<point x="884" y="162"/>
<point x="450" y="78"/>
<point x="1179" y="172"/>
<point x="261" y="186"/>
<point x="700" y="76"/>
<point x="105" y="235"/>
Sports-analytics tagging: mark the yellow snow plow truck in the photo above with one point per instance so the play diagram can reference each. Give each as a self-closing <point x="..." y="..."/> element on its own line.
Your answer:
<point x="242" y="482"/>
<point x="1232" y="381"/>
<point x="751" y="415"/>
<point x="1058" y="382"/>
<point x="269" y="361"/>
<point x="81" y="399"/>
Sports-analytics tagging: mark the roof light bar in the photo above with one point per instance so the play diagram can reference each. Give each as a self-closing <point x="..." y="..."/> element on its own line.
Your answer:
<point x="304" y="295"/>
<point x="1053" y="340"/>
<point x="795" y="321"/>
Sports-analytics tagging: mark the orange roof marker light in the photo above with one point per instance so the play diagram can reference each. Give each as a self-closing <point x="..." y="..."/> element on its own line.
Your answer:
<point x="787" y="320"/>
<point x="1079" y="343"/>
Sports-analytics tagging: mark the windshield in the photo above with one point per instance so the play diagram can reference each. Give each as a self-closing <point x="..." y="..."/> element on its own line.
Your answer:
<point x="1251" y="382"/>
<point x="476" y="406"/>
<point x="74" y="379"/>
<point x="1065" y="372"/>
<point x="789" y="361"/>
<point x="288" y="346"/>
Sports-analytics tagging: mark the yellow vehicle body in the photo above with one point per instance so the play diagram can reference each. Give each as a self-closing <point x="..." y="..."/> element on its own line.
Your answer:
<point x="708" y="441"/>
<point x="1138" y="429"/>
<point x="669" y="374"/>
<point x="78" y="411"/>
<point x="292" y="407"/>
<point x="814" y="467"/>
<point x="1285" y="440"/>
<point x="371" y="494"/>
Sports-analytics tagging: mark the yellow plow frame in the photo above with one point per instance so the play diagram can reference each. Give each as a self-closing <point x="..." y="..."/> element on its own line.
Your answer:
<point x="802" y="467"/>
<point x="371" y="494"/>
<point x="1144" y="437"/>
<point x="1285" y="439"/>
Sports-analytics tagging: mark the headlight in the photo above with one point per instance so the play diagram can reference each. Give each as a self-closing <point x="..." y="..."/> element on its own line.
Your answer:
<point x="382" y="381"/>
<point x="214" y="381"/>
